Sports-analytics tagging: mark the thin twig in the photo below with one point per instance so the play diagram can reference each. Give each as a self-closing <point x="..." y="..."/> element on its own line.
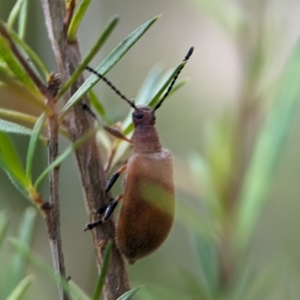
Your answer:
<point x="40" y="85"/>
<point x="53" y="213"/>
<point x="51" y="208"/>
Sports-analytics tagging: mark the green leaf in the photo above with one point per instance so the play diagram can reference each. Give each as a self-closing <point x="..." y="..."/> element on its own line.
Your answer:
<point x="19" y="262"/>
<point x="155" y="99"/>
<point x="94" y="50"/>
<point x="14" y="65"/>
<point x="4" y="222"/>
<point x="76" y="20"/>
<point x="107" y="64"/>
<point x="11" y="88"/>
<point x="150" y="85"/>
<point x="10" y="127"/>
<point x="97" y="105"/>
<point x="11" y="114"/>
<point x="32" y="55"/>
<point x="21" y="288"/>
<point x="209" y="265"/>
<point x="204" y="178"/>
<point x="14" y="13"/>
<point x="129" y="294"/>
<point x="33" y="144"/>
<point x="11" y="164"/>
<point x="75" y="292"/>
<point x="269" y="148"/>
<point x="22" y="24"/>
<point x="103" y="272"/>
<point x="60" y="158"/>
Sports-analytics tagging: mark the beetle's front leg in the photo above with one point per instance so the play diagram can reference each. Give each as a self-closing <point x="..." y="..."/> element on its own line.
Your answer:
<point x="111" y="181"/>
<point x="107" y="211"/>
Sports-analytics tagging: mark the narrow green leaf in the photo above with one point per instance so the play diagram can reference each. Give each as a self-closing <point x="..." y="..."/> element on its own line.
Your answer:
<point x="15" y="66"/>
<point x="10" y="127"/>
<point x="60" y="158"/>
<point x="4" y="222"/>
<point x="94" y="50"/>
<point x="155" y="99"/>
<point x="103" y="272"/>
<point x="97" y="105"/>
<point x="205" y="177"/>
<point x="19" y="262"/>
<point x="108" y="63"/>
<point x="21" y="288"/>
<point x="129" y="294"/>
<point x="33" y="144"/>
<point x="209" y="265"/>
<point x="14" y="13"/>
<point x="14" y="88"/>
<point x="76" y="20"/>
<point x="22" y="24"/>
<point x="269" y="148"/>
<point x="11" y="164"/>
<point x="75" y="292"/>
<point x="12" y="114"/>
<point x="127" y="124"/>
<point x="32" y="55"/>
<point x="150" y="84"/>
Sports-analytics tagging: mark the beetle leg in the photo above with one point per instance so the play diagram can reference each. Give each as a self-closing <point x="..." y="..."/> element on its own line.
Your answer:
<point x="111" y="181"/>
<point x="108" y="211"/>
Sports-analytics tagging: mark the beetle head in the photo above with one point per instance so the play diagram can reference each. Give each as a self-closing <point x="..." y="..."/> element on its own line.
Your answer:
<point x="143" y="115"/>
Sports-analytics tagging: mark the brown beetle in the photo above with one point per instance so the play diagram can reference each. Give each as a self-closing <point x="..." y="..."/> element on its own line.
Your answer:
<point x="147" y="212"/>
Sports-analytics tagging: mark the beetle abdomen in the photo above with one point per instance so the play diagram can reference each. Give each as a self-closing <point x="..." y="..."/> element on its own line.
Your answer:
<point x="148" y="207"/>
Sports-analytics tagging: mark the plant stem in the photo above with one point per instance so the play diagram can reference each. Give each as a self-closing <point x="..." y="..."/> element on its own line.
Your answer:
<point x="53" y="213"/>
<point x="88" y="156"/>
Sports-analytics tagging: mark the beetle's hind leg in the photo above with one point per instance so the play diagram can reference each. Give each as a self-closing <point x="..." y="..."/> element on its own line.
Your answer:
<point x="107" y="211"/>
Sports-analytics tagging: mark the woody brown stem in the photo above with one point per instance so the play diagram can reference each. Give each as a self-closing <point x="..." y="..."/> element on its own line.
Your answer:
<point x="88" y="156"/>
<point x="52" y="214"/>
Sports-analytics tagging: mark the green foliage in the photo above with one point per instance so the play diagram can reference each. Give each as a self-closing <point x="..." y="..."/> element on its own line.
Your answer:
<point x="233" y="185"/>
<point x="108" y="63"/>
<point x="103" y="272"/>
<point x="76" y="20"/>
<point x="269" y="148"/>
<point x="14" y="283"/>
<point x="11" y="164"/>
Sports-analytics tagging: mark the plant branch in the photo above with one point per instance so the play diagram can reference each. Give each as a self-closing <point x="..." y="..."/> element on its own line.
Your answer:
<point x="88" y="156"/>
<point x="40" y="85"/>
<point x="53" y="212"/>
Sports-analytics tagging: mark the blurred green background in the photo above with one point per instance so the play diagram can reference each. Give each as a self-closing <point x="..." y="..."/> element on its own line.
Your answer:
<point x="240" y="50"/>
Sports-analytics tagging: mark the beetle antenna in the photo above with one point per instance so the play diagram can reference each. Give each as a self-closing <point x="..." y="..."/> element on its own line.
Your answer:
<point x="188" y="55"/>
<point x="130" y="102"/>
<point x="89" y="110"/>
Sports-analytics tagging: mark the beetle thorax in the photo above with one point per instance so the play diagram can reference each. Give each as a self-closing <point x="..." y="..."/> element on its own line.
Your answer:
<point x="145" y="138"/>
